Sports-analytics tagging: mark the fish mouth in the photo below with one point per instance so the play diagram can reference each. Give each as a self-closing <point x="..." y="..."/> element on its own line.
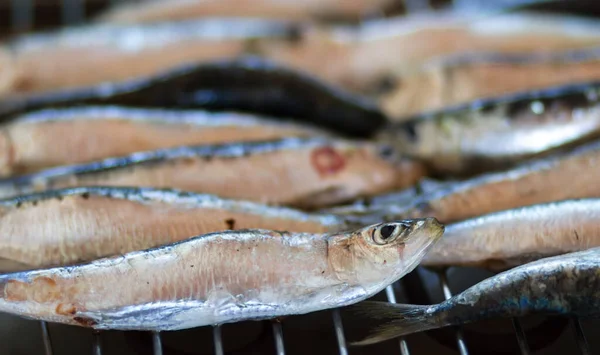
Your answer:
<point x="432" y="227"/>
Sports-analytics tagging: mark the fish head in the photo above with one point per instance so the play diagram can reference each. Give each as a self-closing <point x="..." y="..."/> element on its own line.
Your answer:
<point x="382" y="253"/>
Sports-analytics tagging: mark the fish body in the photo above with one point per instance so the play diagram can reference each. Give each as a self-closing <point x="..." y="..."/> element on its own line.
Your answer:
<point x="248" y="83"/>
<point x="154" y="11"/>
<point x="222" y="277"/>
<point x="568" y="284"/>
<point x="498" y="133"/>
<point x="464" y="77"/>
<point x="67" y="226"/>
<point x="505" y="239"/>
<point x="127" y="52"/>
<point x="566" y="175"/>
<point x="308" y="172"/>
<point x="383" y="52"/>
<point x="55" y="137"/>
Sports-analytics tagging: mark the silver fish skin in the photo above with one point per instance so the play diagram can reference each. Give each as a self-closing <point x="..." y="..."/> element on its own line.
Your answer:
<point x="67" y="226"/>
<point x="308" y="172"/>
<point x="498" y="133"/>
<point x="54" y="137"/>
<point x="501" y="240"/>
<point x="567" y="284"/>
<point x="533" y="182"/>
<point x="222" y="277"/>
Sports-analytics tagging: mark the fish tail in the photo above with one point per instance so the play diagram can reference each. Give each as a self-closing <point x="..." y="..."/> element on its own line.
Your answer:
<point x="391" y="320"/>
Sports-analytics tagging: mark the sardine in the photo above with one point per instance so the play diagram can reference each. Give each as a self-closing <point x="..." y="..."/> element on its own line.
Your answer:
<point x="62" y="227"/>
<point x="459" y="79"/>
<point x="244" y="84"/>
<point x="307" y="172"/>
<point x="72" y="56"/>
<point x="222" y="277"/>
<point x="509" y="238"/>
<point x="562" y="285"/>
<point x="568" y="175"/>
<point x="154" y="11"/>
<point x="55" y="137"/>
<point x="384" y="51"/>
<point x="498" y="133"/>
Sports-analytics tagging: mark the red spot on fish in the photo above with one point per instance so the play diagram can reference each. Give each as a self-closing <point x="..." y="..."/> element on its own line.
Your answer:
<point x="401" y="250"/>
<point x="84" y="321"/>
<point x="327" y="161"/>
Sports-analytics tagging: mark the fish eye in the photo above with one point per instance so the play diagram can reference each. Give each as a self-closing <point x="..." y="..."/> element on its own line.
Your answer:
<point x="387" y="233"/>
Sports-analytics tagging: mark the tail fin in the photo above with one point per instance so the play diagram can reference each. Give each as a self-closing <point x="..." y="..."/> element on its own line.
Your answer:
<point x="391" y="320"/>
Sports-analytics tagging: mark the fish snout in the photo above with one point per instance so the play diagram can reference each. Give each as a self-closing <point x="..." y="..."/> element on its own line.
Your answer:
<point x="433" y="227"/>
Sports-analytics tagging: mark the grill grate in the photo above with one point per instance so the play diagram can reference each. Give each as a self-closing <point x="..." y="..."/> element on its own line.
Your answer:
<point x="279" y="344"/>
<point x="73" y="12"/>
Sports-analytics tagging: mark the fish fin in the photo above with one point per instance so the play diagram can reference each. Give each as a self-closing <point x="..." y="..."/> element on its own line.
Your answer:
<point x="391" y="320"/>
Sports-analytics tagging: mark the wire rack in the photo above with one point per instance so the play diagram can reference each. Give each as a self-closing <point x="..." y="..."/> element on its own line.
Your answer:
<point x="22" y="18"/>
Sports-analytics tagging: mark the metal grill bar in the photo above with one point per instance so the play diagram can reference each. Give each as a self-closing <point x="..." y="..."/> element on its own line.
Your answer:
<point x="584" y="347"/>
<point x="278" y="335"/>
<point x="391" y="296"/>
<point x="218" y="341"/>
<point x="73" y="12"/>
<point x="521" y="337"/>
<point x="96" y="343"/>
<point x="46" y="338"/>
<point x="462" y="347"/>
<point x="339" y="332"/>
<point x="156" y="343"/>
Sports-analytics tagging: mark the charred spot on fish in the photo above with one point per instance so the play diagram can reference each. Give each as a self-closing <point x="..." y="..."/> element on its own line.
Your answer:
<point x="295" y="34"/>
<point x="252" y="46"/>
<point x="327" y="161"/>
<point x="384" y="261"/>
<point x="85" y="321"/>
<point x="385" y="84"/>
<point x="23" y="83"/>
<point x="65" y="309"/>
<point x="410" y="128"/>
<point x="230" y="223"/>
<point x="85" y="195"/>
<point x="322" y="272"/>
<point x="576" y="235"/>
<point x="191" y="265"/>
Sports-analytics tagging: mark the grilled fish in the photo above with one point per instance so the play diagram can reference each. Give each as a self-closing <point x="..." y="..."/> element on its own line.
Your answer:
<point x="381" y="52"/>
<point x="569" y="175"/>
<point x="306" y="172"/>
<point x="154" y="11"/>
<point x="566" y="285"/>
<point x="498" y="133"/>
<point x="465" y="77"/>
<point x="62" y="227"/>
<point x="54" y="137"/>
<point x="222" y="277"/>
<point x="509" y="238"/>
<point x="72" y="56"/>
<point x="244" y="84"/>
